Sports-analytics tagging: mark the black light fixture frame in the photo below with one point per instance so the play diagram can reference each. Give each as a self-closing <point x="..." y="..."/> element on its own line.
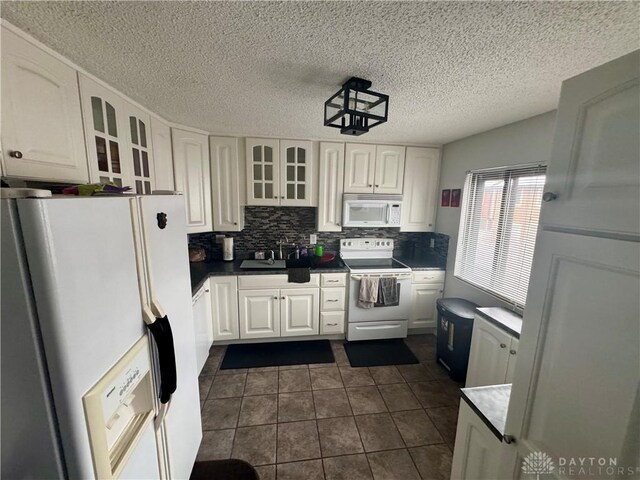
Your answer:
<point x="351" y="121"/>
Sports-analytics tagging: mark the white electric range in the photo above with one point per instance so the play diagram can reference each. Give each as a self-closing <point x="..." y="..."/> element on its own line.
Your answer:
<point x="374" y="257"/>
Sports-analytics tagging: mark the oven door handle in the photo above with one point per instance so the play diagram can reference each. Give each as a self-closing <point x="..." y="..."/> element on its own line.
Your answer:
<point x="399" y="276"/>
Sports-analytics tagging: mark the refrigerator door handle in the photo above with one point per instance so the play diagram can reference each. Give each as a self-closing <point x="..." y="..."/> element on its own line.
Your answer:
<point x="163" y="336"/>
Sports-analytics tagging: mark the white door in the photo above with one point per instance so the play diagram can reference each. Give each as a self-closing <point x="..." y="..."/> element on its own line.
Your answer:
<point x="389" y="172"/>
<point x="575" y="389"/>
<point x="359" y="168"/>
<point x="224" y="307"/>
<point x="42" y="135"/>
<point x="168" y="274"/>
<point x="297" y="174"/>
<point x="228" y="212"/>
<point x="192" y="177"/>
<point x="105" y="130"/>
<point x="141" y="156"/>
<point x="331" y="185"/>
<point x="595" y="169"/>
<point x="488" y="355"/>
<point x="259" y="312"/>
<point x="202" y="324"/>
<point x="162" y="155"/>
<point x="511" y="366"/>
<point x="420" y="196"/>
<point x="423" y="305"/>
<point x="263" y="171"/>
<point x="299" y="311"/>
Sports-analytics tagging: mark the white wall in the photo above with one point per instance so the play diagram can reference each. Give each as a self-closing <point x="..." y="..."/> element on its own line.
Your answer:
<point x="527" y="141"/>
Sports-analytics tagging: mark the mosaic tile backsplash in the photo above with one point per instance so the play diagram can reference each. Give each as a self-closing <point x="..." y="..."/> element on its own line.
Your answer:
<point x="265" y="226"/>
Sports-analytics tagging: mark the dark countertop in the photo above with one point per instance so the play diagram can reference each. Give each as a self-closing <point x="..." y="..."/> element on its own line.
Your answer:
<point x="502" y="318"/>
<point x="491" y="404"/>
<point x="426" y="260"/>
<point x="201" y="270"/>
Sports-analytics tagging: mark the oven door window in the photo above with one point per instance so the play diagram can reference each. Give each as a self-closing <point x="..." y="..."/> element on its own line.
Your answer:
<point x="374" y="213"/>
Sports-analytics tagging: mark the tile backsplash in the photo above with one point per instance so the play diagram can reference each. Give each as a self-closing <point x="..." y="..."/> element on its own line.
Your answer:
<point x="265" y="226"/>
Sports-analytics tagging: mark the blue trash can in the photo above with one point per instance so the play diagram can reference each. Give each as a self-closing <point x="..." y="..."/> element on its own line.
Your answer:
<point x="455" y="326"/>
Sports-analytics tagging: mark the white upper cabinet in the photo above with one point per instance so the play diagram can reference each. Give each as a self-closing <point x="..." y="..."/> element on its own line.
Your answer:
<point x="280" y="172"/>
<point x="330" y="187"/>
<point x="162" y="155"/>
<point x="42" y="134"/>
<point x="106" y="126"/>
<point x="595" y="165"/>
<point x="140" y="152"/>
<point x="193" y="177"/>
<point x="263" y="171"/>
<point x="359" y="168"/>
<point x="228" y="211"/>
<point x="420" y="197"/>
<point x="389" y="172"/>
<point x="296" y="174"/>
<point x="374" y="169"/>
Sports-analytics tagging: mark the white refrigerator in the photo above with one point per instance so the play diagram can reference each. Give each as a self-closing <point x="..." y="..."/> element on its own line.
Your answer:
<point x="79" y="278"/>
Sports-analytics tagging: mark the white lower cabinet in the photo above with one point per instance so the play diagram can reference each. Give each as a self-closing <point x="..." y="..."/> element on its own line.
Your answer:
<point x="201" y="304"/>
<point x="478" y="452"/>
<point x="224" y="308"/>
<point x="331" y="322"/>
<point x="492" y="355"/>
<point x="259" y="312"/>
<point x="333" y="301"/>
<point x="426" y="289"/>
<point x="299" y="312"/>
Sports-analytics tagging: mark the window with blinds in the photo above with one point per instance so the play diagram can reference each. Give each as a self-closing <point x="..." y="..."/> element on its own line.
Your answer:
<point x="498" y="226"/>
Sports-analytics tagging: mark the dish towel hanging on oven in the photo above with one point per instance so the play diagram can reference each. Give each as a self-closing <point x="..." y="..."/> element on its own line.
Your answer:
<point x="368" y="292"/>
<point x="388" y="291"/>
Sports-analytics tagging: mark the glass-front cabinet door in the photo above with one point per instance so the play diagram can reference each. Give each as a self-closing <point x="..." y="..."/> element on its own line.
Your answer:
<point x="296" y="163"/>
<point x="142" y="164"/>
<point x="104" y="133"/>
<point x="263" y="171"/>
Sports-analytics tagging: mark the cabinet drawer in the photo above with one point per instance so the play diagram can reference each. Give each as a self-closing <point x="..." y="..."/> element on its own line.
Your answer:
<point x="274" y="281"/>
<point x="332" y="299"/>
<point x="429" y="276"/>
<point x="331" y="322"/>
<point x="334" y="280"/>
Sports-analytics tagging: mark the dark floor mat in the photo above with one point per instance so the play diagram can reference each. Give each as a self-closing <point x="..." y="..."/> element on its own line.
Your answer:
<point x="255" y="355"/>
<point x="376" y="353"/>
<point x="223" y="470"/>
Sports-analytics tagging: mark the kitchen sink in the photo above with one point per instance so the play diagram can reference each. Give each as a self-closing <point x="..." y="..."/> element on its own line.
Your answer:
<point x="276" y="265"/>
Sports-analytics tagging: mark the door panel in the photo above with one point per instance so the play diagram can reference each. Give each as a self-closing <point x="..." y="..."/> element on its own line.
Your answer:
<point x="263" y="171"/>
<point x="162" y="156"/>
<point x="595" y="167"/>
<point x="389" y="171"/>
<point x="359" y="170"/>
<point x="225" y="185"/>
<point x="488" y="356"/>
<point x="297" y="174"/>
<point x="41" y="115"/>
<point x="259" y="313"/>
<point x="331" y="186"/>
<point x="203" y="325"/>
<point x="420" y="191"/>
<point x="300" y="311"/>
<point x="224" y="296"/>
<point x="423" y="305"/>
<point x="511" y="366"/>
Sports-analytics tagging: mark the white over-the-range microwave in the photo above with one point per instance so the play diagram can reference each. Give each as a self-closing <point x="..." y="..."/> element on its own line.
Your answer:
<point x="370" y="210"/>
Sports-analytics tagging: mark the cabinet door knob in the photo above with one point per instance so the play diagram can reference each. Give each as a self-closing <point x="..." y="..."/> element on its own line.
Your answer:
<point x="509" y="439"/>
<point x="377" y="186"/>
<point x="282" y="196"/>
<point x="281" y="298"/>
<point x="502" y="345"/>
<point x="338" y="224"/>
<point x="275" y="298"/>
<point x="548" y="196"/>
<point x="370" y="185"/>
<point x="15" y="153"/>
<point x="512" y="352"/>
<point x="235" y="223"/>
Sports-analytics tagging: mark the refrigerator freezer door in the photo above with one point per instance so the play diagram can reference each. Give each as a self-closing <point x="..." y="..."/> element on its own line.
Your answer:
<point x="165" y="242"/>
<point x="28" y="420"/>
<point x="83" y="271"/>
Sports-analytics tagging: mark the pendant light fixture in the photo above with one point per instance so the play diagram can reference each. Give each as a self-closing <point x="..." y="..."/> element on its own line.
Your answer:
<point x="354" y="109"/>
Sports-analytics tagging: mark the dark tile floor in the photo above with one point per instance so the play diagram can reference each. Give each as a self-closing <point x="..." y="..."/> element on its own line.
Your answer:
<point x="332" y="421"/>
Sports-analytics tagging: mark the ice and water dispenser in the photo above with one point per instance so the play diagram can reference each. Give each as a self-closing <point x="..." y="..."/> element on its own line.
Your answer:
<point x="119" y="410"/>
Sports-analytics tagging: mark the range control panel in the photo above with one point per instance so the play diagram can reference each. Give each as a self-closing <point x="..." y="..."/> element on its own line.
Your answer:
<point x="366" y="244"/>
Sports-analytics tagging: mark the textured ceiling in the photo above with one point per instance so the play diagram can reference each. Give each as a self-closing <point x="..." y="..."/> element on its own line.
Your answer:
<point x="452" y="69"/>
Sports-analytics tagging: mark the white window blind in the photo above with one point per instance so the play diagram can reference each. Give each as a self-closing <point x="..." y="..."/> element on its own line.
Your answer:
<point x="498" y="226"/>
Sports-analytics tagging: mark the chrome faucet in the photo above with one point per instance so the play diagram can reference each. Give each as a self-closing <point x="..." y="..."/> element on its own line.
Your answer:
<point x="282" y="244"/>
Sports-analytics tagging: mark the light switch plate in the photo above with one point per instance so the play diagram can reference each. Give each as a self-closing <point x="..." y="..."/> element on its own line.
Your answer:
<point x="313" y="239"/>
<point x="219" y="239"/>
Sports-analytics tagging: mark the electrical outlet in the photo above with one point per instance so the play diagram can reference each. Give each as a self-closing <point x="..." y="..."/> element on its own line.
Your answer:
<point x="219" y="239"/>
<point x="313" y="239"/>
